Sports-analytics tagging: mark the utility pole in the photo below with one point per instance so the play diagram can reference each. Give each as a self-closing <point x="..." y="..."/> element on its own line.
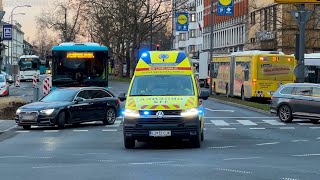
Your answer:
<point x="173" y="22"/>
<point x="151" y="19"/>
<point x="301" y="16"/>
<point x="211" y="45"/>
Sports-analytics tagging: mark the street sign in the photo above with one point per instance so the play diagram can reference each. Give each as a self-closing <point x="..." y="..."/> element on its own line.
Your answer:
<point x="182" y="23"/>
<point x="225" y="8"/>
<point x="297" y="1"/>
<point x="7" y="32"/>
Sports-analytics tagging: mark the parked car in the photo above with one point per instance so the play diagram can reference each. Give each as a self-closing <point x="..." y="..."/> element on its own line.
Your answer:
<point x="70" y="106"/>
<point x="4" y="86"/>
<point x="8" y="77"/>
<point x="297" y="100"/>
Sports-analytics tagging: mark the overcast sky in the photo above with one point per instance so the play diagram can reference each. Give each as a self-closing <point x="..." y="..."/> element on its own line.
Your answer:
<point x="27" y="21"/>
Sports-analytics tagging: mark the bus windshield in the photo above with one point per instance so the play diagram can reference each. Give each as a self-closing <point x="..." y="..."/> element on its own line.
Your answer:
<point x="79" y="68"/>
<point x="29" y="64"/>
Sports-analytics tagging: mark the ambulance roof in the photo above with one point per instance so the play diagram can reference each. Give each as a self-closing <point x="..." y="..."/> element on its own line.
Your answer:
<point x="164" y="62"/>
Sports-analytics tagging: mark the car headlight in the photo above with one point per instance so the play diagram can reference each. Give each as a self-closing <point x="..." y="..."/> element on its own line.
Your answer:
<point x="47" y="111"/>
<point x="131" y="113"/>
<point x="18" y="111"/>
<point x="190" y="112"/>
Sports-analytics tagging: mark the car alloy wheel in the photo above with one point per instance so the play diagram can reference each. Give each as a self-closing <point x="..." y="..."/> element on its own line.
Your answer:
<point x="285" y="114"/>
<point x="110" y="117"/>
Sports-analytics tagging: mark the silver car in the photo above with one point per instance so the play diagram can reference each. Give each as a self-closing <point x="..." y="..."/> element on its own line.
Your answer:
<point x="4" y="86"/>
<point x="297" y="100"/>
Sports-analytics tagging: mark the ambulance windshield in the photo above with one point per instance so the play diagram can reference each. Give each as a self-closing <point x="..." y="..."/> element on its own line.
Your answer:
<point x="162" y="85"/>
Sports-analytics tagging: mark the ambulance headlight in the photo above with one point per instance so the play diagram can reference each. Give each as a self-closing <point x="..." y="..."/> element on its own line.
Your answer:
<point x="190" y="112"/>
<point x="131" y="113"/>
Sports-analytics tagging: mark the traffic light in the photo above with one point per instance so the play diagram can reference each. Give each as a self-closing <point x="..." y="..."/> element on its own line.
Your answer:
<point x="158" y="47"/>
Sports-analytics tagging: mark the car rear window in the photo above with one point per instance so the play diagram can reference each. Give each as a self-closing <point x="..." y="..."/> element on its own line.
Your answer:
<point x="287" y="90"/>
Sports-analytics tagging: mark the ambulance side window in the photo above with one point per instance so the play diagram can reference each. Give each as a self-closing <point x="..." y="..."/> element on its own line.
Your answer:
<point x="197" y="84"/>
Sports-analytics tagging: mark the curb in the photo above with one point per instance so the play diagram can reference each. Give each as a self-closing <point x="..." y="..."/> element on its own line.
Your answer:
<point x="241" y="106"/>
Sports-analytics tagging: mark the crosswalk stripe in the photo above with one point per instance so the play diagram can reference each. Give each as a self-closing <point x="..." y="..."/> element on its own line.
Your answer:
<point x="48" y="131"/>
<point x="109" y="130"/>
<point x="22" y="131"/>
<point x="80" y="130"/>
<point x="247" y="122"/>
<point x="305" y="124"/>
<point x="219" y="123"/>
<point x="274" y="122"/>
<point x="116" y="124"/>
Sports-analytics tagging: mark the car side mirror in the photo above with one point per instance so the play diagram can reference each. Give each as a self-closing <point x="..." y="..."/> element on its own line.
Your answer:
<point x="122" y="97"/>
<point x="78" y="99"/>
<point x="204" y="94"/>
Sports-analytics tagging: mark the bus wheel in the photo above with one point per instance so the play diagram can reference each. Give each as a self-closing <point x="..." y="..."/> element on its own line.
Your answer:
<point x="242" y="94"/>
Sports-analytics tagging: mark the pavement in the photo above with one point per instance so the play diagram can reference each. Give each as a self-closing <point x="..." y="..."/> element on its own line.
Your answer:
<point x="239" y="144"/>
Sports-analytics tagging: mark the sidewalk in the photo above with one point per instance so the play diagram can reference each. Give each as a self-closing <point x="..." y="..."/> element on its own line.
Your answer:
<point x="6" y="125"/>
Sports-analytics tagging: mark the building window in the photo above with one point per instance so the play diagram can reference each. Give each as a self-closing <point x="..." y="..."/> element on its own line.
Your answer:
<point x="182" y="36"/>
<point x="192" y="48"/>
<point x="192" y="17"/>
<point x="192" y="33"/>
<point x="252" y="40"/>
<point x="253" y="18"/>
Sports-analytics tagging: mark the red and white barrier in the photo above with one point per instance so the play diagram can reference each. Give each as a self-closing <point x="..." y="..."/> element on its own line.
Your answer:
<point x="47" y="84"/>
<point x="34" y="80"/>
<point x="17" y="83"/>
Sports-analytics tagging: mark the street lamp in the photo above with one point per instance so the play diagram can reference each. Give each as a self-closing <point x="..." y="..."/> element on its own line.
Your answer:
<point x="11" y="19"/>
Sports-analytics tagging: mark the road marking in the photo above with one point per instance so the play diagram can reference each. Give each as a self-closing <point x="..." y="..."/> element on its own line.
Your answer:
<point x="247" y="122"/>
<point x="80" y="130"/>
<point x="4" y="157"/>
<point x="299" y="140"/>
<point x="50" y="131"/>
<point x="219" y="123"/>
<point x="229" y="159"/>
<point x="314" y="127"/>
<point x="151" y="163"/>
<point x="22" y="131"/>
<point x="109" y="130"/>
<point x="287" y="128"/>
<point x="262" y="144"/>
<point x="274" y="122"/>
<point x="228" y="128"/>
<point x="305" y="124"/>
<point x="222" y="147"/>
<point x="257" y="128"/>
<point x="116" y="124"/>
<point x="289" y="179"/>
<point x="241" y="117"/>
<point x="303" y="155"/>
<point x="84" y="154"/>
<point x="10" y="128"/>
<point x="218" y="110"/>
<point x="44" y="167"/>
<point x="318" y="138"/>
<point x="234" y="170"/>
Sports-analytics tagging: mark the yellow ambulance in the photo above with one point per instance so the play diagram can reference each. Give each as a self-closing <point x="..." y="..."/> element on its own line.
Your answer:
<point x="164" y="100"/>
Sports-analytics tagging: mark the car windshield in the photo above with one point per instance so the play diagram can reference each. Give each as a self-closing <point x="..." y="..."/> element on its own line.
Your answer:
<point x="162" y="85"/>
<point x="60" y="95"/>
<point x="2" y="78"/>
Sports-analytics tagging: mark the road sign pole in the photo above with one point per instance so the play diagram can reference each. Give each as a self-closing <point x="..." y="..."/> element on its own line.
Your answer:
<point x="301" y="16"/>
<point x="211" y="45"/>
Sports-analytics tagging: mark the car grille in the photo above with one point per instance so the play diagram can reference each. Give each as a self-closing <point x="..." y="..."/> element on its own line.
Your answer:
<point x="160" y="121"/>
<point x="166" y="112"/>
<point x="28" y="116"/>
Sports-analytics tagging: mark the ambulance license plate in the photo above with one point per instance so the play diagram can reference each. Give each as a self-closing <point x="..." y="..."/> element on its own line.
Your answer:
<point x="159" y="133"/>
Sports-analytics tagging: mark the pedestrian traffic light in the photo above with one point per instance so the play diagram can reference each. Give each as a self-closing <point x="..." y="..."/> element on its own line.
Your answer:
<point x="158" y="47"/>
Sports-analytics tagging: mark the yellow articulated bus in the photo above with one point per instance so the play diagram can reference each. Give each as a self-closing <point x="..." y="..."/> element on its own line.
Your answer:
<point x="252" y="73"/>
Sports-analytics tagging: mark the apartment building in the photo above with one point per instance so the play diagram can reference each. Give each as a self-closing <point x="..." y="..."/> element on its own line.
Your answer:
<point x="272" y="27"/>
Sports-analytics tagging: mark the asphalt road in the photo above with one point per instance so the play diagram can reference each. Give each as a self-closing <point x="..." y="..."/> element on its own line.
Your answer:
<point x="239" y="144"/>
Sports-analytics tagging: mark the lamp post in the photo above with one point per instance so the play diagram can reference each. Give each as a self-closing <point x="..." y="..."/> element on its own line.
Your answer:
<point x="11" y="20"/>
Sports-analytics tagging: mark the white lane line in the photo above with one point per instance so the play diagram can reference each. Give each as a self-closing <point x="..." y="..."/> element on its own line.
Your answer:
<point x="247" y="122"/>
<point x="318" y="138"/>
<point x="306" y="124"/>
<point x="222" y="147"/>
<point x="109" y="130"/>
<point x="248" y="158"/>
<point x="274" y="122"/>
<point x="218" y="110"/>
<point x="257" y="128"/>
<point x="50" y="131"/>
<point x="116" y="124"/>
<point x="4" y="157"/>
<point x="299" y="140"/>
<point x="289" y="178"/>
<point x="22" y="131"/>
<point x="10" y="128"/>
<point x="228" y="128"/>
<point x="241" y="117"/>
<point x="234" y="170"/>
<point x="304" y="155"/>
<point x="66" y="166"/>
<point x="80" y="130"/>
<point x="151" y="163"/>
<point x="219" y="123"/>
<point x="314" y="127"/>
<point x="262" y="144"/>
<point x="287" y="128"/>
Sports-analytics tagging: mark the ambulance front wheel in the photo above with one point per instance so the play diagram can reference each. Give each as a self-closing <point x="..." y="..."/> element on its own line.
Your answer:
<point x="129" y="143"/>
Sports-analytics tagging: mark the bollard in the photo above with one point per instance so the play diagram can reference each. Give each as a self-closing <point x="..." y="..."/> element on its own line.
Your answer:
<point x="17" y="81"/>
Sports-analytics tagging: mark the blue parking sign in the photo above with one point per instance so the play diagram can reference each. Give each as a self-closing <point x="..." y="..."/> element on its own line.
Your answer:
<point x="7" y="32"/>
<point x="182" y="23"/>
<point x="225" y="8"/>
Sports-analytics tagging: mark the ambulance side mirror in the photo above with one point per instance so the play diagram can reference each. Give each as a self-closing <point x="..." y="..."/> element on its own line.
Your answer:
<point x="204" y="94"/>
<point x="122" y="97"/>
